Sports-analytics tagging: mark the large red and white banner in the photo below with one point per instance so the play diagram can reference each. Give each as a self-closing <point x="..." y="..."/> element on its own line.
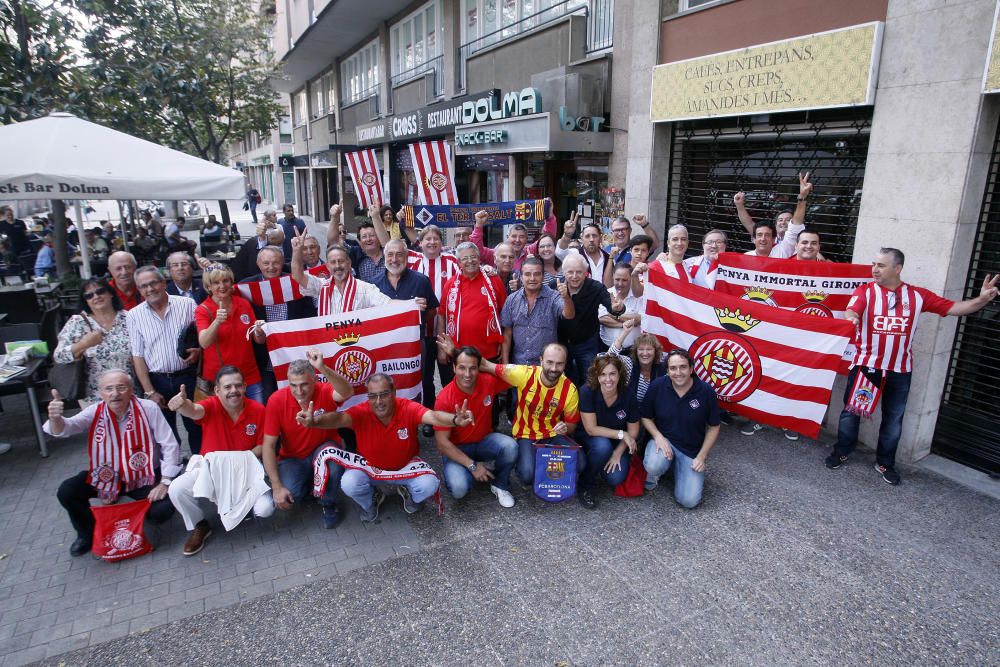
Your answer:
<point x="271" y="291"/>
<point x="363" y="166"/>
<point x="770" y="365"/>
<point x="432" y="167"/>
<point x="356" y="344"/>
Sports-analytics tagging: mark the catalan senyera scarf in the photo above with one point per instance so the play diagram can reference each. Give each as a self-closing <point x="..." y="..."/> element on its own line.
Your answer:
<point x="120" y="455"/>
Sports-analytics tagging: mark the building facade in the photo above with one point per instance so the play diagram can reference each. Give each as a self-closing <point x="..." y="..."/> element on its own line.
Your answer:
<point x="676" y="105"/>
<point x="266" y="161"/>
<point x="886" y="103"/>
<point x="415" y="71"/>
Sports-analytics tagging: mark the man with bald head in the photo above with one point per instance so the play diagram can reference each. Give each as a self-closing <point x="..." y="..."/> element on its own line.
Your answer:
<point x="581" y="333"/>
<point x="132" y="452"/>
<point x="121" y="266"/>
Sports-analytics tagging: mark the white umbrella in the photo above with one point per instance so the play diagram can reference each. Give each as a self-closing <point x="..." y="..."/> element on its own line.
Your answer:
<point x="61" y="156"/>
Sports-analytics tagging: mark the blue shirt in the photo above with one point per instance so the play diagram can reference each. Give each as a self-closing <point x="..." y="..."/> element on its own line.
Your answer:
<point x="624" y="256"/>
<point x="45" y="263"/>
<point x="531" y="332"/>
<point x="617" y="416"/>
<point x="681" y="419"/>
<point x="412" y="284"/>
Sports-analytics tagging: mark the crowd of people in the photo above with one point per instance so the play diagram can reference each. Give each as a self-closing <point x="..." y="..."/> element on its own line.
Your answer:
<point x="547" y="333"/>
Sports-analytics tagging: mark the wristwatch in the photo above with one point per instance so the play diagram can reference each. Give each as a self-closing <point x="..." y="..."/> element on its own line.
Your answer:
<point x="165" y="481"/>
<point x="148" y="393"/>
<point x="472" y="467"/>
<point x="621" y="434"/>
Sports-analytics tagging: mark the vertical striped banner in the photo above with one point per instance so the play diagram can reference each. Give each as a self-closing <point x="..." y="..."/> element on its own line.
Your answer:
<point x="432" y="164"/>
<point x="363" y="166"/>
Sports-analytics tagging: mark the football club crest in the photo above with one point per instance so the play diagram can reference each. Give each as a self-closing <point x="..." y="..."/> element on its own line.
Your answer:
<point x="439" y="181"/>
<point x="105" y="474"/>
<point x="403" y="433"/>
<point x="252" y="428"/>
<point x="138" y="461"/>
<point x="121" y="538"/>
<point x="354" y="364"/>
<point x="694" y="403"/>
<point x="814" y="304"/>
<point x="244" y="318"/>
<point x="488" y="400"/>
<point x="368" y="179"/>
<point x="729" y="363"/>
<point x="620" y="414"/>
<point x="424" y="216"/>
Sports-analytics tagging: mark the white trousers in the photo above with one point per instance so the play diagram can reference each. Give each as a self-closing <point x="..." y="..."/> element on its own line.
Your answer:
<point x="181" y="493"/>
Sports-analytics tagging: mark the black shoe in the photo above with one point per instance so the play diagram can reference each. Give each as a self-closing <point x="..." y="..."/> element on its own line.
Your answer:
<point x="80" y="546"/>
<point x="889" y="475"/>
<point x="725" y="418"/>
<point x="587" y="500"/>
<point x="834" y="461"/>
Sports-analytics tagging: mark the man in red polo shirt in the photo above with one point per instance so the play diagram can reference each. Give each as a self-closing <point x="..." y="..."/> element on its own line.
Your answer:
<point x="230" y="422"/>
<point x="290" y="469"/>
<point x="121" y="266"/>
<point x="470" y="306"/>
<point x="386" y="429"/>
<point x="465" y="449"/>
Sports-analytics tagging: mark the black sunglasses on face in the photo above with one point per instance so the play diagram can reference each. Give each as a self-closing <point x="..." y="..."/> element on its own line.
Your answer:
<point x="87" y="296"/>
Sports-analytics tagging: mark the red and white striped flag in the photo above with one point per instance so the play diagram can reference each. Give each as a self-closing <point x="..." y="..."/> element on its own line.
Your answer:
<point x="384" y="339"/>
<point x="270" y="292"/>
<point x="363" y="166"/>
<point x="770" y="365"/>
<point x="432" y="167"/>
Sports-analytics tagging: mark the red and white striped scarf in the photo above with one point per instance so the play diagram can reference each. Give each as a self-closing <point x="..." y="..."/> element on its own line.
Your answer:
<point x="454" y="319"/>
<point x="120" y="457"/>
<point x="329" y="291"/>
<point x="270" y="291"/>
<point x="438" y="270"/>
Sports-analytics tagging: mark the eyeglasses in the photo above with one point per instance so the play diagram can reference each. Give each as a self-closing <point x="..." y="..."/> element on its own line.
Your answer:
<point x="87" y="296"/>
<point x="380" y="395"/>
<point x="621" y="229"/>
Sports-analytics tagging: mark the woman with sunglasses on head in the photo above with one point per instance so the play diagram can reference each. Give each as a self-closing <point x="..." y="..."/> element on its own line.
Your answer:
<point x="551" y="264"/>
<point x="97" y="334"/>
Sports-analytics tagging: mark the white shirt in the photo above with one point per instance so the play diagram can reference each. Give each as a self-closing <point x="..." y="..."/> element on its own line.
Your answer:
<point x="165" y="447"/>
<point x="702" y="276"/>
<point x="154" y="338"/>
<point x="367" y="295"/>
<point x="633" y="306"/>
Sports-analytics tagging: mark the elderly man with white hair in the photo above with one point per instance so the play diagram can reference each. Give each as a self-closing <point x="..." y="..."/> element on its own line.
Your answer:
<point x="581" y="333"/>
<point x="131" y="451"/>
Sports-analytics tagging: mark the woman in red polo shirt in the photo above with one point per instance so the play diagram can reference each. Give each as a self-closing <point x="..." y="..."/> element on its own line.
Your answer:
<point x="223" y="320"/>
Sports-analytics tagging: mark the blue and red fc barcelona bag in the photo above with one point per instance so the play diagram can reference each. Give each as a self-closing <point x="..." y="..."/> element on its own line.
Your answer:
<point x="555" y="471"/>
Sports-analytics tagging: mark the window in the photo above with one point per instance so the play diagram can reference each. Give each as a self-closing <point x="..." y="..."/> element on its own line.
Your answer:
<point x="685" y="5"/>
<point x="319" y="98"/>
<point x="299" y="107"/>
<point x="359" y="74"/>
<point x="489" y="21"/>
<point x="415" y="41"/>
<point x="330" y="86"/>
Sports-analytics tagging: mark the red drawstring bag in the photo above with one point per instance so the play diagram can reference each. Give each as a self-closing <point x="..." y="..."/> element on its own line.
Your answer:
<point x="118" y="530"/>
<point x="635" y="481"/>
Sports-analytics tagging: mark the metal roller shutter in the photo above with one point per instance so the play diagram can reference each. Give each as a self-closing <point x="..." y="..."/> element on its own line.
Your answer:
<point x="711" y="160"/>
<point x="969" y="420"/>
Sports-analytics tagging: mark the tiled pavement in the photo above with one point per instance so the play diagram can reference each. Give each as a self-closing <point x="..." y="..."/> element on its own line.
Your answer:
<point x="785" y="563"/>
<point x="51" y="603"/>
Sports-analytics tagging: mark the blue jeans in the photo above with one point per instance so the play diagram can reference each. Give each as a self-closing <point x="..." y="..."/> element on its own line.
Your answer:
<point x="688" y="484"/>
<point x="599" y="449"/>
<point x="359" y="487"/>
<point x="526" y="457"/>
<point x="894" y="395"/>
<point x="168" y="386"/>
<point x="297" y="476"/>
<point x="581" y="356"/>
<point x="256" y="392"/>
<point x="494" y="447"/>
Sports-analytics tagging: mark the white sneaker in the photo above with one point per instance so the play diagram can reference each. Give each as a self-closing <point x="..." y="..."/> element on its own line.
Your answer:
<point x="4" y="447"/>
<point x="751" y="428"/>
<point x="505" y="497"/>
<point x="791" y="435"/>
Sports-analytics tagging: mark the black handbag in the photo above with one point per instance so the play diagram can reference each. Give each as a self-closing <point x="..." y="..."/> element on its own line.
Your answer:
<point x="70" y="380"/>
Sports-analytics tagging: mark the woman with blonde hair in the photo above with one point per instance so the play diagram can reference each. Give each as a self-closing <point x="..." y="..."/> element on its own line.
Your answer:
<point x="223" y="320"/>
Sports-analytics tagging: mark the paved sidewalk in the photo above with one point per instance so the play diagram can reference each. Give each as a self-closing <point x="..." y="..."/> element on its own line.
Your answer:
<point x="51" y="603"/>
<point x="785" y="563"/>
